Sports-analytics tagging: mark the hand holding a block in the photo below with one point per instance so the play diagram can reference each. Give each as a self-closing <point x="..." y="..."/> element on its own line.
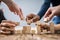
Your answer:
<point x="32" y="17"/>
<point x="52" y="11"/>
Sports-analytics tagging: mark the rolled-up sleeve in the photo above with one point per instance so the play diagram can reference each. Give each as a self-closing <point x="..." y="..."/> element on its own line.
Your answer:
<point x="44" y="8"/>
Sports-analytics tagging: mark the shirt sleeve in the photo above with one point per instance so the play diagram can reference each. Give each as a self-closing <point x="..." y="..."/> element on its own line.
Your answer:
<point x="0" y="0"/>
<point x="44" y="8"/>
<point x="2" y="16"/>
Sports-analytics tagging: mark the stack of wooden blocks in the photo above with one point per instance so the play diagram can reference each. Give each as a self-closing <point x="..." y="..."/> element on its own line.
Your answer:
<point x="18" y="31"/>
<point x="33" y="32"/>
<point x="26" y="29"/>
<point x="8" y="27"/>
<point x="44" y="31"/>
<point x="38" y="27"/>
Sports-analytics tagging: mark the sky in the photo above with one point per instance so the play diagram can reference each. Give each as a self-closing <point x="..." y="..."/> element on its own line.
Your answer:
<point x="27" y="6"/>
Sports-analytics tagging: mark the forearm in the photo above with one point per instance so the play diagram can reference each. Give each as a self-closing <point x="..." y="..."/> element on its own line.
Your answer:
<point x="8" y="2"/>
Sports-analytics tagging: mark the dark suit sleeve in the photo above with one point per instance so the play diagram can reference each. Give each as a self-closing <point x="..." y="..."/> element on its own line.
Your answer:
<point x="2" y="16"/>
<point x="44" y="8"/>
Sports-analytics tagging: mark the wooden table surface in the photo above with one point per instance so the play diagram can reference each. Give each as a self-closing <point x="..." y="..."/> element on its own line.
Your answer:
<point x="30" y="37"/>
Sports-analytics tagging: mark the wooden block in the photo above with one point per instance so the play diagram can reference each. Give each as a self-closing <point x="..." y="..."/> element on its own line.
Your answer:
<point x="26" y="29"/>
<point x="52" y="27"/>
<point x="32" y="31"/>
<point x="29" y="22"/>
<point x="45" y="31"/>
<point x="46" y="19"/>
<point x="26" y="32"/>
<point x="37" y="23"/>
<point x="23" y="31"/>
<point x="38" y="30"/>
<point x="18" y="31"/>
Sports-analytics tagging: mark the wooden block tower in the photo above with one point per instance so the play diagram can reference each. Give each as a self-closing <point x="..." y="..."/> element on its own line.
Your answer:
<point x="52" y="27"/>
<point x="38" y="27"/>
<point x="26" y="29"/>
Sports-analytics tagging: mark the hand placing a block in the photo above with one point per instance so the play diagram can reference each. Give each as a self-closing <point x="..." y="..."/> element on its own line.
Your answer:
<point x="32" y="17"/>
<point x="52" y="11"/>
<point x="13" y="7"/>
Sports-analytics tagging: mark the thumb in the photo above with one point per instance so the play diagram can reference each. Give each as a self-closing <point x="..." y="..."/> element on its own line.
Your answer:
<point x="48" y="12"/>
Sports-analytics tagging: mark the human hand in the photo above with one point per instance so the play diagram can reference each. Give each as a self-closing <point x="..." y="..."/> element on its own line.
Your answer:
<point x="7" y="27"/>
<point x="14" y="7"/>
<point x="32" y="17"/>
<point x="52" y="11"/>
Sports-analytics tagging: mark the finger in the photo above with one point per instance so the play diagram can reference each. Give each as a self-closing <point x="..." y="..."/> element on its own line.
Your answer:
<point x="6" y="29"/>
<point x="11" y="22"/>
<point x="51" y="16"/>
<point x="22" y="17"/>
<point x="30" y="16"/>
<point x="36" y="18"/>
<point x="27" y="19"/>
<point x="5" y="32"/>
<point x="47" y="13"/>
<point x="8" y="25"/>
<point x="29" y="22"/>
<point x="12" y="9"/>
<point x="21" y="14"/>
